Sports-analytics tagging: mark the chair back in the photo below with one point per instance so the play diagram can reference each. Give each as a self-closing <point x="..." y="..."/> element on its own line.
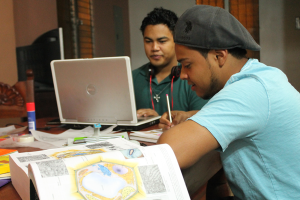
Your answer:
<point x="13" y="99"/>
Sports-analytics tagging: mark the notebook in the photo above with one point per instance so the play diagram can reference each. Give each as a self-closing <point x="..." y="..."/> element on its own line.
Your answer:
<point x="97" y="90"/>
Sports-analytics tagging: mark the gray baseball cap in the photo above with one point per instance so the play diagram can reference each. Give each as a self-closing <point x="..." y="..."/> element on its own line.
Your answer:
<point x="209" y="27"/>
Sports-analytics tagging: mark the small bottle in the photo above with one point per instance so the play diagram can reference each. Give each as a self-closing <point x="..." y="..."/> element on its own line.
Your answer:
<point x="31" y="116"/>
<point x="30" y="105"/>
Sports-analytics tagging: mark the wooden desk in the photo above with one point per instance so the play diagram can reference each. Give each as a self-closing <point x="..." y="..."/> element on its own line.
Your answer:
<point x="8" y="192"/>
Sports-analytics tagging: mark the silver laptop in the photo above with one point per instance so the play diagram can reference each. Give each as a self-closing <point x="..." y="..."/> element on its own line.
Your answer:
<point x="97" y="90"/>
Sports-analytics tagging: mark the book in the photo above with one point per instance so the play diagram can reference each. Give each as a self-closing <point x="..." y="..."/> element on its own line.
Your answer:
<point x="4" y="181"/>
<point x="4" y="164"/>
<point x="19" y="162"/>
<point x="5" y="176"/>
<point x="150" y="173"/>
<point x="146" y="136"/>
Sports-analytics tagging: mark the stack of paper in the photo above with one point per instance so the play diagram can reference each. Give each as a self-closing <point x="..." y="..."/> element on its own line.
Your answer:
<point x="7" y="131"/>
<point x="147" y="136"/>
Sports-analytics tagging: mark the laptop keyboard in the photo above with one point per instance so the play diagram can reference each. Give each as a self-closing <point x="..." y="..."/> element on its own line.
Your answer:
<point x="144" y="118"/>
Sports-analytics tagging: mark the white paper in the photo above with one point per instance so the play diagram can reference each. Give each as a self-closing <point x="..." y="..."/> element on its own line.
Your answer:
<point x="50" y="141"/>
<point x="124" y="134"/>
<point x="4" y="130"/>
<point x="60" y="140"/>
<point x="36" y="144"/>
<point x="154" y="134"/>
<point x="19" y="162"/>
<point x="11" y="130"/>
<point x="147" y="136"/>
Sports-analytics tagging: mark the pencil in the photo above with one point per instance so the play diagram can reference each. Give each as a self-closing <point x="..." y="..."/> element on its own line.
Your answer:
<point x="169" y="110"/>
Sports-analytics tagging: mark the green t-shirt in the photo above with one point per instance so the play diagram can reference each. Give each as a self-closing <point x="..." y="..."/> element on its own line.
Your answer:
<point x="183" y="97"/>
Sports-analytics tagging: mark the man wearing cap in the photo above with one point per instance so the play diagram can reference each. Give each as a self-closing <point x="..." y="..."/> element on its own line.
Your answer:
<point x="252" y="117"/>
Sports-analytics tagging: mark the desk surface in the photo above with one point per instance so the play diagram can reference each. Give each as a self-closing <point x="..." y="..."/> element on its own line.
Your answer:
<point x="8" y="192"/>
<point x="195" y="177"/>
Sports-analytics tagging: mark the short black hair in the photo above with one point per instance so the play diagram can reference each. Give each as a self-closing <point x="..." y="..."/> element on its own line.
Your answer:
<point x="235" y="52"/>
<point x="160" y="16"/>
<point x="238" y="53"/>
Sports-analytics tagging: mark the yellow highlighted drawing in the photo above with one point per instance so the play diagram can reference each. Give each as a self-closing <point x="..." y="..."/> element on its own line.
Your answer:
<point x="73" y="153"/>
<point x="4" y="164"/>
<point x="127" y="191"/>
<point x="106" y="179"/>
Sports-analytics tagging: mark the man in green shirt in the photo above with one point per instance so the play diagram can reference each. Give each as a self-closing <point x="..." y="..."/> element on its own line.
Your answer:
<point x="151" y="87"/>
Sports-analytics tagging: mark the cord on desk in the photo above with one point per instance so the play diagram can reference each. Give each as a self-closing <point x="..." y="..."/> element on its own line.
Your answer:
<point x="14" y="124"/>
<point x="51" y="127"/>
<point x="44" y="128"/>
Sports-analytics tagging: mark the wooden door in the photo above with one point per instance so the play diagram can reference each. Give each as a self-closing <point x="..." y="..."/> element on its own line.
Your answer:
<point x="246" y="11"/>
<point x="75" y="17"/>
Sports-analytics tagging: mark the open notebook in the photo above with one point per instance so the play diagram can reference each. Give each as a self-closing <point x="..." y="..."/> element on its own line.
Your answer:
<point x="97" y="90"/>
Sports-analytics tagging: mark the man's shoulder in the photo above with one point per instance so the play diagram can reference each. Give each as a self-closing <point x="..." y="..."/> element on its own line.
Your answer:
<point x="257" y="70"/>
<point x="141" y="70"/>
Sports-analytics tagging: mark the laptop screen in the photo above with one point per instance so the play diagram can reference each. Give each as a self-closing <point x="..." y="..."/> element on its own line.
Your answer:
<point x="97" y="90"/>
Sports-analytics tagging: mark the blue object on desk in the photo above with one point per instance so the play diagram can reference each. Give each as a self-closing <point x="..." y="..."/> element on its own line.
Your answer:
<point x="97" y="129"/>
<point x="97" y="125"/>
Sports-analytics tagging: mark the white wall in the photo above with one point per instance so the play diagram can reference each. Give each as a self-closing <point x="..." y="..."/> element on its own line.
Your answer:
<point x="8" y="62"/>
<point x="271" y="33"/>
<point x="279" y="39"/>
<point x="32" y="19"/>
<point x="138" y="9"/>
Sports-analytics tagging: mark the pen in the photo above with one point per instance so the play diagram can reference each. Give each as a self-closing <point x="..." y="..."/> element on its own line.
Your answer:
<point x="169" y="110"/>
<point x="78" y="140"/>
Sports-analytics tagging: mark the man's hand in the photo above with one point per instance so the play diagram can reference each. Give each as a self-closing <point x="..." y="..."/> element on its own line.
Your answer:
<point x="177" y="118"/>
<point x="145" y="112"/>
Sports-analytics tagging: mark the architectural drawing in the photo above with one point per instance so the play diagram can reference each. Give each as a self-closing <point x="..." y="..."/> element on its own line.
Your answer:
<point x="107" y="179"/>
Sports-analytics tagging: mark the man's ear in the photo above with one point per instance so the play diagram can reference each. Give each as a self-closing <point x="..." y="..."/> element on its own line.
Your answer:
<point x="221" y="56"/>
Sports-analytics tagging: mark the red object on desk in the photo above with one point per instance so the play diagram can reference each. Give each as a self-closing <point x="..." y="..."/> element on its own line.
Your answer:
<point x="30" y="106"/>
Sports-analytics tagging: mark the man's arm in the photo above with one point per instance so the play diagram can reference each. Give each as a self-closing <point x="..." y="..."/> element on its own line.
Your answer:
<point x="177" y="118"/>
<point x="189" y="141"/>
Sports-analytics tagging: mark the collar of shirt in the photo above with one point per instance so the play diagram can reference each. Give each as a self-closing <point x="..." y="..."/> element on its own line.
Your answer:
<point x="145" y="72"/>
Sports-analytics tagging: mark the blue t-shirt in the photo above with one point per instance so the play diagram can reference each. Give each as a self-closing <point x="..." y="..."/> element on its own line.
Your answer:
<point x="256" y="120"/>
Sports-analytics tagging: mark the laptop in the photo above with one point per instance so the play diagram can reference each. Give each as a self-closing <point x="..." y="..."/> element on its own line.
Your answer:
<point x="97" y="90"/>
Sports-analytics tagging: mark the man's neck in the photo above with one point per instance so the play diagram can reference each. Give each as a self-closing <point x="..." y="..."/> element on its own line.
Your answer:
<point x="234" y="66"/>
<point x="163" y="72"/>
